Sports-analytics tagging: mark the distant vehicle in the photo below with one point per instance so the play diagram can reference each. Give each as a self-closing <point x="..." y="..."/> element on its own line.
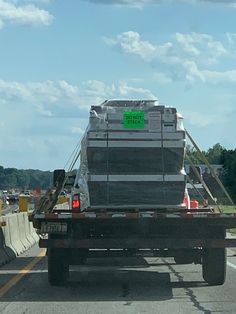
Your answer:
<point x="12" y="199"/>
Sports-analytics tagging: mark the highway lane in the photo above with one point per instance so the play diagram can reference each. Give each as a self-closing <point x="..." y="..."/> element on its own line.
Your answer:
<point x="115" y="285"/>
<point x="10" y="209"/>
<point x="14" y="208"/>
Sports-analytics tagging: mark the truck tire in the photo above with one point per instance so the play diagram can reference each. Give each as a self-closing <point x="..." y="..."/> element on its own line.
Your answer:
<point x="58" y="267"/>
<point x="181" y="260"/>
<point x="183" y="257"/>
<point x="214" y="266"/>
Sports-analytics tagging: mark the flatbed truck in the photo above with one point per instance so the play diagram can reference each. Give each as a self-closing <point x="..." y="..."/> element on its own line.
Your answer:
<point x="117" y="223"/>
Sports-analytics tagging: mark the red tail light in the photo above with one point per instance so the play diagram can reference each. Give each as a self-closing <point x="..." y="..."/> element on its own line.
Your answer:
<point x="76" y="202"/>
<point x="186" y="199"/>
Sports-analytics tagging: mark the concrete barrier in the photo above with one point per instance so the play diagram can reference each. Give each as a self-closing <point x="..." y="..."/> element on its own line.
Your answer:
<point x="33" y="232"/>
<point x="3" y="255"/>
<point x="14" y="233"/>
<point x="9" y="249"/>
<point x="28" y="234"/>
<point x="22" y="231"/>
<point x="17" y="235"/>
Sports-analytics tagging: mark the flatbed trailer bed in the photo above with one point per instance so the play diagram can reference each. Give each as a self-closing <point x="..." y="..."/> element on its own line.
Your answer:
<point x="194" y="236"/>
<point x="191" y="229"/>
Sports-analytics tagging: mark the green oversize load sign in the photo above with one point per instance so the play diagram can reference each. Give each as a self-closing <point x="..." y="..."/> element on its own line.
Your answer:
<point x="134" y="120"/>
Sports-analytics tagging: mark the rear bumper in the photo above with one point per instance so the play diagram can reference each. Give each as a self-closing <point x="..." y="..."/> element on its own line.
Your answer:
<point x="136" y="243"/>
<point x="187" y="218"/>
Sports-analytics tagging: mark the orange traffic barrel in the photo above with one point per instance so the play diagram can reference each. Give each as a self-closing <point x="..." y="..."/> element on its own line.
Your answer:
<point x="194" y="204"/>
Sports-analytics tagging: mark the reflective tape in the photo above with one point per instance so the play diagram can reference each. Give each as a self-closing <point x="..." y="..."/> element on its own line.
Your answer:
<point x="175" y="178"/>
<point x="126" y="178"/>
<point x="119" y="126"/>
<point x="97" y="177"/>
<point x="174" y="144"/>
<point x="64" y="216"/>
<point x="98" y="143"/>
<point x="153" y="214"/>
<point x="103" y="135"/>
<point x="90" y="215"/>
<point x="173" y="216"/>
<point x="134" y="143"/>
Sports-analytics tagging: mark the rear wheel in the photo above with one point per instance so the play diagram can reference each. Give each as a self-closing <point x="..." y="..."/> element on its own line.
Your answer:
<point x="58" y="267"/>
<point x="214" y="266"/>
<point x="184" y="256"/>
<point x="183" y="260"/>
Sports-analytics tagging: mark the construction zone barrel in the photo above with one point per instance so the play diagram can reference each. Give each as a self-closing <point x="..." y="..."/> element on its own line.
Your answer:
<point x="23" y="203"/>
<point x="194" y="204"/>
<point x="62" y="199"/>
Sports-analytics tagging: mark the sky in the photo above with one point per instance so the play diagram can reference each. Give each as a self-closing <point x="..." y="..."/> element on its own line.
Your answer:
<point x="57" y="58"/>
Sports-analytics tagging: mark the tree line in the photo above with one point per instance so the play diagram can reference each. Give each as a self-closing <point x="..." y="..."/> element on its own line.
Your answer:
<point x="12" y="178"/>
<point x="220" y="156"/>
<point x="32" y="179"/>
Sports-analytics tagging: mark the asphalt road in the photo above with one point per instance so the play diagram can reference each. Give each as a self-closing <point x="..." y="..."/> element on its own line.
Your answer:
<point x="110" y="286"/>
<point x="10" y="209"/>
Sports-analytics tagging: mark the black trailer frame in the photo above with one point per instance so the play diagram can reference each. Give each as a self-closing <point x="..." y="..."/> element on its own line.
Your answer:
<point x="194" y="236"/>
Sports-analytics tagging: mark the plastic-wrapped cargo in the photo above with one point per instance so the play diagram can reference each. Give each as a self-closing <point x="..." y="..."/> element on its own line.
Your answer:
<point x="132" y="156"/>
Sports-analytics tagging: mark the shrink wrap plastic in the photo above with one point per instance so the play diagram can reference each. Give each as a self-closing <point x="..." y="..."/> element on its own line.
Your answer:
<point x="132" y="156"/>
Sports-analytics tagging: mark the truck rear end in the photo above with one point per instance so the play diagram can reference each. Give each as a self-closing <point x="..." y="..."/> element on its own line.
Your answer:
<point x="129" y="196"/>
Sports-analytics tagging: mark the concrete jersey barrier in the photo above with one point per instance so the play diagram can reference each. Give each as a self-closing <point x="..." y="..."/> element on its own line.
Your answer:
<point x="17" y="236"/>
<point x="4" y="258"/>
<point x="9" y="248"/>
<point x="22" y="231"/>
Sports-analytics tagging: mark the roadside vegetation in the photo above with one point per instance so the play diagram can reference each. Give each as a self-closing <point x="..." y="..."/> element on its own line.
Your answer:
<point x="11" y="178"/>
<point x="218" y="155"/>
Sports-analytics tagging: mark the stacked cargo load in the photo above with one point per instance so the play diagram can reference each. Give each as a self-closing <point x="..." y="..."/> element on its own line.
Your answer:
<point x="132" y="156"/>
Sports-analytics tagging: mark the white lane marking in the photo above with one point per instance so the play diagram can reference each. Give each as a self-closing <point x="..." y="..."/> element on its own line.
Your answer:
<point x="231" y="265"/>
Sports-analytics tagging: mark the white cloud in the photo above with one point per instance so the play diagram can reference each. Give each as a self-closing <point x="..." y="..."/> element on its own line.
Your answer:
<point x="231" y="38"/>
<point x="201" y="47"/>
<point x="46" y="91"/>
<point x="186" y="58"/>
<point x="35" y="1"/>
<point x="70" y="91"/>
<point x="126" y="90"/>
<point x="77" y="130"/>
<point x="192" y="72"/>
<point x="49" y="97"/>
<point x="131" y="43"/>
<point x="42" y="116"/>
<point x="188" y="43"/>
<point x="27" y="14"/>
<point x="216" y="77"/>
<point x="98" y="88"/>
<point x="128" y="3"/>
<point x="43" y="111"/>
<point x="162" y="78"/>
<point x="139" y="4"/>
